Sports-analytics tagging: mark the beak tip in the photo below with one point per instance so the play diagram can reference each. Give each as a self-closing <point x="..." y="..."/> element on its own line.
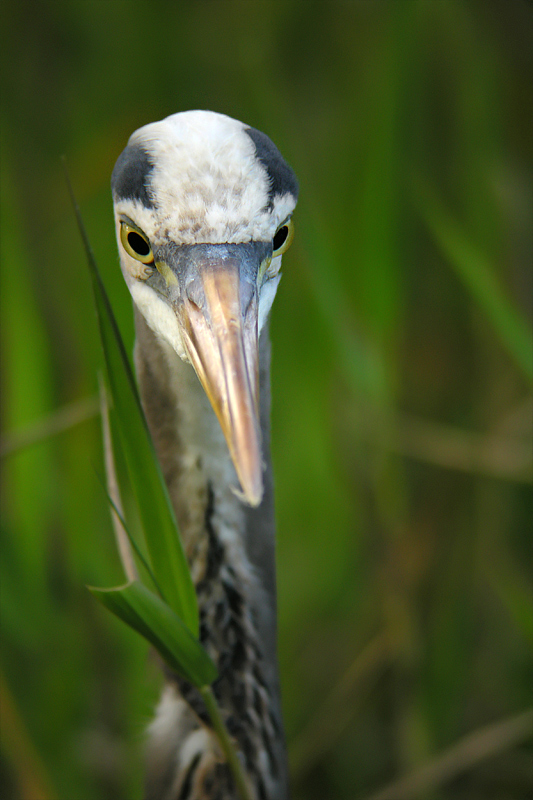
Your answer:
<point x="251" y="495"/>
<point x="255" y="500"/>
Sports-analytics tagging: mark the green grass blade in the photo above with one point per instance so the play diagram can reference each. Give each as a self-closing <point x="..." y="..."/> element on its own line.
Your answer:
<point x="146" y="572"/>
<point x="165" y="550"/>
<point x="137" y="542"/>
<point x="479" y="277"/>
<point x="162" y="539"/>
<point x="147" y="614"/>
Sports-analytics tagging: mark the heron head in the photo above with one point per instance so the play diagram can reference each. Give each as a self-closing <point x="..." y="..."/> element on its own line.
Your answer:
<point x="203" y="208"/>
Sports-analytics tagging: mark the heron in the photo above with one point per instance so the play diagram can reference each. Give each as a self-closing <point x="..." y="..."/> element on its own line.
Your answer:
<point x="203" y="206"/>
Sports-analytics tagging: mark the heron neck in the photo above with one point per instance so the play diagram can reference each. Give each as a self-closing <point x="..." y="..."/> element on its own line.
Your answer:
<point x="230" y="546"/>
<point x="194" y="455"/>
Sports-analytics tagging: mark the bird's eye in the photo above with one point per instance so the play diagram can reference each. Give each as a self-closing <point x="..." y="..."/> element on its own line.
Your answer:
<point x="282" y="239"/>
<point x="136" y="244"/>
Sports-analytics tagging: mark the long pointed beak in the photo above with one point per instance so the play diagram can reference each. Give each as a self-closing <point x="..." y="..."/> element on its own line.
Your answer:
<point x="218" y="321"/>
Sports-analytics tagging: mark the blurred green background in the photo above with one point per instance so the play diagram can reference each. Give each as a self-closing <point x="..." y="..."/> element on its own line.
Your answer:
<point x="402" y="374"/>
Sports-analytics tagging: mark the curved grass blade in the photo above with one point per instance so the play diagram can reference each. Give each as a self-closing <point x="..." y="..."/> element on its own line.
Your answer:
<point x="165" y="550"/>
<point x="146" y="572"/>
<point x="147" y="614"/>
<point x="166" y="554"/>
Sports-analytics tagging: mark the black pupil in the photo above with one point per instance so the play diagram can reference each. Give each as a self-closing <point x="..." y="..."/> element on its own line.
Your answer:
<point x="138" y="244"/>
<point x="279" y="238"/>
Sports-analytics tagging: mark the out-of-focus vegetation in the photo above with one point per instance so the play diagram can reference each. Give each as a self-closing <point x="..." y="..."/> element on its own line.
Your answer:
<point x="401" y="383"/>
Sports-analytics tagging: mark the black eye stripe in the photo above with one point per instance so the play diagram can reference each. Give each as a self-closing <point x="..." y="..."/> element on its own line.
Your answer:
<point x="280" y="238"/>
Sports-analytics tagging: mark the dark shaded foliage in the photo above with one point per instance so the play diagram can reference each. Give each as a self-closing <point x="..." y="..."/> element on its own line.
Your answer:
<point x="401" y="399"/>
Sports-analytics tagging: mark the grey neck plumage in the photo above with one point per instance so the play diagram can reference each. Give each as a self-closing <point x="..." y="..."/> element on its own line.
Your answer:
<point x="230" y="548"/>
